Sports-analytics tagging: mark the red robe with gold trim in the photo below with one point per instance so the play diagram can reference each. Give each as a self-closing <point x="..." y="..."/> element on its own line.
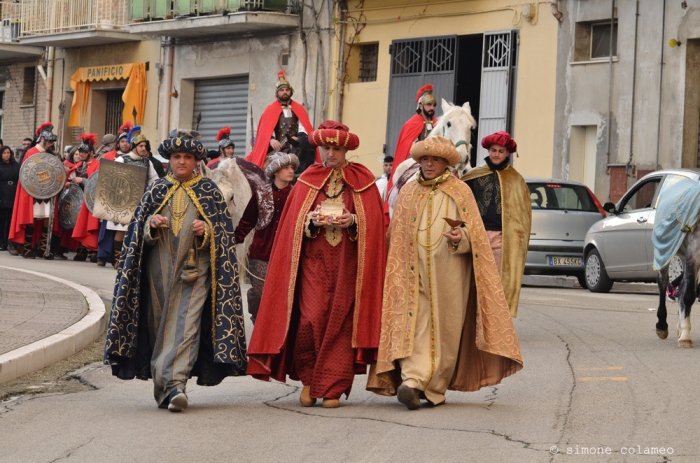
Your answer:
<point x="267" y="124"/>
<point x="320" y="313"/>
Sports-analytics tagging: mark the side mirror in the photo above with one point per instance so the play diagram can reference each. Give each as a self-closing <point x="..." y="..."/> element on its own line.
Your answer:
<point x="609" y="208"/>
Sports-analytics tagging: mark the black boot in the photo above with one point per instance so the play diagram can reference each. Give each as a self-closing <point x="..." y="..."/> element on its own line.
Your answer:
<point x="81" y="255"/>
<point x="43" y="243"/>
<point x="117" y="252"/>
<point x="28" y="251"/>
<point x="92" y="255"/>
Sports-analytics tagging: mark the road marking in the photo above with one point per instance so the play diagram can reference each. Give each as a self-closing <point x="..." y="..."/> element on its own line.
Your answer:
<point x="602" y="378"/>
<point x="599" y="369"/>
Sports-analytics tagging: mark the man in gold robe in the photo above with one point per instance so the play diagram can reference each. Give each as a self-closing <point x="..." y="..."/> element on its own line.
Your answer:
<point x="504" y="204"/>
<point x="445" y="321"/>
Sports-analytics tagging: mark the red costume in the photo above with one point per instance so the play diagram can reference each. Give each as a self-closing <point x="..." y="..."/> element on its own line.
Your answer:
<point x="329" y="295"/>
<point x="267" y="124"/>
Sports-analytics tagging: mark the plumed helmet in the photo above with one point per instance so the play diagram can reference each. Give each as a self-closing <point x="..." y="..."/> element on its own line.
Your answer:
<point x="332" y="133"/>
<point x="278" y="161"/>
<point x="283" y="82"/>
<point x="89" y="140"/>
<point x="183" y="141"/>
<point x="124" y="130"/>
<point x="135" y="137"/>
<point x="45" y="131"/>
<point x="223" y="137"/>
<point x="500" y="138"/>
<point x="424" y="95"/>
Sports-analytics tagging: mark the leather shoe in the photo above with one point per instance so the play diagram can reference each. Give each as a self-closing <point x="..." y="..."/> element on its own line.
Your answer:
<point x="305" y="398"/>
<point x="331" y="403"/>
<point x="408" y="396"/>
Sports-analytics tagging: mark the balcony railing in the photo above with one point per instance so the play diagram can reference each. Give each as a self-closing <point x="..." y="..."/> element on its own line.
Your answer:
<point x="168" y="9"/>
<point x="11" y="27"/>
<point x="42" y="17"/>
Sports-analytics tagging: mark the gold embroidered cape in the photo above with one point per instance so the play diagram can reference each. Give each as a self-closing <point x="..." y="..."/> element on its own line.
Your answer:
<point x="489" y="350"/>
<point x="517" y="221"/>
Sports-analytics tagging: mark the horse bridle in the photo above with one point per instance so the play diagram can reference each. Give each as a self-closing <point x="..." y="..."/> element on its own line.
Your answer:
<point x="459" y="143"/>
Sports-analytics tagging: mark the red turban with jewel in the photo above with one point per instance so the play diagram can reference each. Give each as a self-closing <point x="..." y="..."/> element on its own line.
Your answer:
<point x="500" y="138"/>
<point x="332" y="133"/>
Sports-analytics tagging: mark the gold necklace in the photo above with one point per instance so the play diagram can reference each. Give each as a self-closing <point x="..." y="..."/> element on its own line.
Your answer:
<point x="428" y="246"/>
<point x="178" y="208"/>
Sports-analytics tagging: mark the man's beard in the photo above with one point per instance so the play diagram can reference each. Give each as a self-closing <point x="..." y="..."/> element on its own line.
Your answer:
<point x="428" y="114"/>
<point x="50" y="149"/>
<point x="284" y="98"/>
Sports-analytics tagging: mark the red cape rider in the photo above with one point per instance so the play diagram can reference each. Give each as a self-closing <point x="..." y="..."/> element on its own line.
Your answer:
<point x="415" y="129"/>
<point x="226" y="147"/>
<point x="284" y="126"/>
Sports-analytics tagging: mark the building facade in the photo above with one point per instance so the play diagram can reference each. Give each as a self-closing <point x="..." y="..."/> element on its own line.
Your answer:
<point x="627" y="98"/>
<point x="500" y="56"/>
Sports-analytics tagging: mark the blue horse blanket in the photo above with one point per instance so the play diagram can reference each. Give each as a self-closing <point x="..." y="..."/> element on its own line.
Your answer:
<point x="677" y="214"/>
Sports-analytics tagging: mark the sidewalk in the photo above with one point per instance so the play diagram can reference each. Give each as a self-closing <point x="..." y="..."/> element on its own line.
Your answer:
<point x="45" y="316"/>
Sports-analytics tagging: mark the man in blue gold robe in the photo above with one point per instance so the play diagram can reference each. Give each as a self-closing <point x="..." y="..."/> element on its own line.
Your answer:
<point x="177" y="309"/>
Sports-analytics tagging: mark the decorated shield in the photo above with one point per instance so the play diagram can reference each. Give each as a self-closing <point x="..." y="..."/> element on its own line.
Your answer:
<point x="69" y="203"/>
<point x="42" y="176"/>
<point x="90" y="190"/>
<point x="119" y="190"/>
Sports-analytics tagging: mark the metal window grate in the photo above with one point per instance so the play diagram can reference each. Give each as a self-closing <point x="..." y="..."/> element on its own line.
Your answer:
<point x="113" y="111"/>
<point x="424" y="56"/>
<point x="28" y="85"/>
<point x="369" y="57"/>
<point x="497" y="52"/>
<point x="440" y="55"/>
<point x="407" y="57"/>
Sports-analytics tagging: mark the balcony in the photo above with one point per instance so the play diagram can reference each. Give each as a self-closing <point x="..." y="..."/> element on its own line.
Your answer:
<point x="209" y="18"/>
<point x="74" y="23"/>
<point x="10" y="31"/>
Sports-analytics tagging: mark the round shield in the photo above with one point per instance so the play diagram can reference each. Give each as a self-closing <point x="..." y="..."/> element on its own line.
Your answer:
<point x="42" y="176"/>
<point x="69" y="206"/>
<point x="90" y="190"/>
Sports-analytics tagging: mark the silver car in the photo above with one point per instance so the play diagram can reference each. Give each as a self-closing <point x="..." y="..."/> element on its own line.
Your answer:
<point x="619" y="247"/>
<point x="562" y="212"/>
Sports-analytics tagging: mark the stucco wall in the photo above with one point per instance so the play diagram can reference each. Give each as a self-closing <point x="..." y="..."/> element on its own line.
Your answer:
<point x="366" y="104"/>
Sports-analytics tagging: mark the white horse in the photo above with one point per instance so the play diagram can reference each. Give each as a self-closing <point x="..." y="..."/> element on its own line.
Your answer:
<point x="237" y="178"/>
<point x="456" y="123"/>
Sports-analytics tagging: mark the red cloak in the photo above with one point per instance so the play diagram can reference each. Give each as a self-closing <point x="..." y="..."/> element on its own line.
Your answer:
<point x="87" y="227"/>
<point x="23" y="210"/>
<point x="267" y="124"/>
<point x="409" y="132"/>
<point x="269" y="352"/>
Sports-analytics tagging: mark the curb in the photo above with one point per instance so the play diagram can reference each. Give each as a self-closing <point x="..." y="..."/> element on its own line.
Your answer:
<point x="45" y="352"/>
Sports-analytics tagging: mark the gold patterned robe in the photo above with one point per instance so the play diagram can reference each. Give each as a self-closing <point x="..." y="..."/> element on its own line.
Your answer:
<point x="425" y="298"/>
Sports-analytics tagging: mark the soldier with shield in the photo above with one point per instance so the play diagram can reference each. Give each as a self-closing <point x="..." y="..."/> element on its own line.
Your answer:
<point x="72" y="197"/>
<point x="42" y="177"/>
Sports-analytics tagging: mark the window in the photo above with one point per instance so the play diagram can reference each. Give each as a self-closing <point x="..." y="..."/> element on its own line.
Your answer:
<point x="561" y="197"/>
<point x="28" y="86"/>
<point x="113" y="111"/>
<point x="592" y="41"/>
<point x="642" y="196"/>
<point x="369" y="56"/>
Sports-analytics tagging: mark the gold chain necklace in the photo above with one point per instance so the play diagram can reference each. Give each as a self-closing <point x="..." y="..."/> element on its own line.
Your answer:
<point x="178" y="208"/>
<point x="428" y="246"/>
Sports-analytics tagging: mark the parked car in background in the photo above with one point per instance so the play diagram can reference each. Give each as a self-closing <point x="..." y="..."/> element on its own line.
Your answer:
<point x="619" y="248"/>
<point x="562" y="212"/>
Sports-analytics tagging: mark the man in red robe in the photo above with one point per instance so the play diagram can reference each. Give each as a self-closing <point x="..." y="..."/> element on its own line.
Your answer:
<point x="319" y="317"/>
<point x="415" y="129"/>
<point x="284" y="127"/>
<point x="29" y="213"/>
<point x="226" y="147"/>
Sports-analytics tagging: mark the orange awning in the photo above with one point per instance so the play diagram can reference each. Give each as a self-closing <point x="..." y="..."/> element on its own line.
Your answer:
<point x="134" y="96"/>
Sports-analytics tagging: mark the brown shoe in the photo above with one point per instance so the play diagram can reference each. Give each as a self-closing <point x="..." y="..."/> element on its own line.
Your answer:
<point x="305" y="398"/>
<point x="408" y="396"/>
<point x="331" y="403"/>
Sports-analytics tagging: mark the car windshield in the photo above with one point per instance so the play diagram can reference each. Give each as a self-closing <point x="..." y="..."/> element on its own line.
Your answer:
<point x="560" y="197"/>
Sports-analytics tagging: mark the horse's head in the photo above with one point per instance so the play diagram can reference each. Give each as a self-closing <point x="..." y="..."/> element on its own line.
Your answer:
<point x="456" y="123"/>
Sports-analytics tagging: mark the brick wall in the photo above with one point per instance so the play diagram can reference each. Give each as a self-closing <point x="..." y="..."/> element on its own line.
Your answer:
<point x="18" y="120"/>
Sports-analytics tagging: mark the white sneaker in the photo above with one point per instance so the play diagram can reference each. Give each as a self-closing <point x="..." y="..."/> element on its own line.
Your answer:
<point x="178" y="402"/>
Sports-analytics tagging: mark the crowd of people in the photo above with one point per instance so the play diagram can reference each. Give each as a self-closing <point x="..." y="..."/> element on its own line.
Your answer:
<point x="424" y="303"/>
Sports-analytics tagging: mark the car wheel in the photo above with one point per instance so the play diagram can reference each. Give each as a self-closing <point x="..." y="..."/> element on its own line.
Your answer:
<point x="597" y="279"/>
<point x="582" y="281"/>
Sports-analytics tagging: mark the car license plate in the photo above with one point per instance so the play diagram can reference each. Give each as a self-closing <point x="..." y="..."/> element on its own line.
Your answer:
<point x="565" y="261"/>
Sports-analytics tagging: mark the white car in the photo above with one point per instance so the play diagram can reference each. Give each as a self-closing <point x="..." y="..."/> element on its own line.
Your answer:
<point x="619" y="248"/>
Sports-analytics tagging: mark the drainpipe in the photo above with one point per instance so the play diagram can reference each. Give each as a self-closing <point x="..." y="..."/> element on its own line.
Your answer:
<point x="49" y="83"/>
<point x="661" y="81"/>
<point x="610" y="76"/>
<point x="634" y="85"/>
<point x="341" y="63"/>
<point x="554" y="7"/>
<point x="169" y="45"/>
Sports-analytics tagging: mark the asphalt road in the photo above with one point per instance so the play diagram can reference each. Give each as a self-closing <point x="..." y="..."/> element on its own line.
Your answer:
<point x="596" y="379"/>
